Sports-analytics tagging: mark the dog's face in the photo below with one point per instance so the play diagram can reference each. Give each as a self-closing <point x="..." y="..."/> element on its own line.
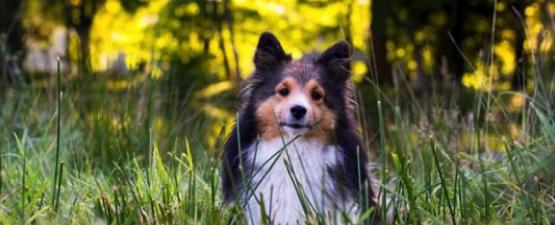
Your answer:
<point x="297" y="107"/>
<point x="301" y="97"/>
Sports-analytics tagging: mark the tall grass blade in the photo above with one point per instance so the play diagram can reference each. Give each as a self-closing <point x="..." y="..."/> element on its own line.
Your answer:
<point x="59" y="187"/>
<point x="383" y="160"/>
<point x="443" y="183"/>
<point x="58" y="129"/>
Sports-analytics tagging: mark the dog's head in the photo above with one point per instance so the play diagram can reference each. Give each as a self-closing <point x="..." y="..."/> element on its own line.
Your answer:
<point x="305" y="97"/>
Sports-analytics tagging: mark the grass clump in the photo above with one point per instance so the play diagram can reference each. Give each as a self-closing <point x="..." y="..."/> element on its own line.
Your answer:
<point x="130" y="157"/>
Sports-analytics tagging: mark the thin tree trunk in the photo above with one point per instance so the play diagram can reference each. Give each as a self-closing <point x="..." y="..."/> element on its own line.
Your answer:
<point x="83" y="25"/>
<point x="519" y="76"/>
<point x="84" y="41"/>
<point x="12" y="46"/>
<point x="423" y="82"/>
<point x="347" y="29"/>
<point x="228" y="16"/>
<point x="221" y="42"/>
<point x="204" y="36"/>
<point x="447" y="47"/>
<point x="378" y="51"/>
<point x="67" y="23"/>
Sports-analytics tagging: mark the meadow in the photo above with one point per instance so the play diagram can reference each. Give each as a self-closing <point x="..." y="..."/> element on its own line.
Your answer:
<point x="119" y="115"/>
<point x="89" y="156"/>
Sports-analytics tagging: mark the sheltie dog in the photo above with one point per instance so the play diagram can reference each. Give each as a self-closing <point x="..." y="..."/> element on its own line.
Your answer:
<point x="294" y="155"/>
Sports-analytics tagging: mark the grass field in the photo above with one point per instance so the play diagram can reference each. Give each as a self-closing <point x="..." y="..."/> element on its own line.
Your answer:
<point x="75" y="155"/>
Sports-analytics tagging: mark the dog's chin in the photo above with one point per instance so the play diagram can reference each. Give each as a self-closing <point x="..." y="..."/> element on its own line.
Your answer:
<point x="295" y="128"/>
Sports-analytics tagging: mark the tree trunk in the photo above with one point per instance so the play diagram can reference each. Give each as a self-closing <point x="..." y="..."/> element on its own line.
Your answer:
<point x="84" y="57"/>
<point x="378" y="52"/>
<point x="519" y="76"/>
<point x="422" y="83"/>
<point x="347" y="29"/>
<point x="82" y="26"/>
<point x="228" y="17"/>
<point x="449" y="41"/>
<point x="12" y="46"/>
<point x="221" y="42"/>
<point x="84" y="41"/>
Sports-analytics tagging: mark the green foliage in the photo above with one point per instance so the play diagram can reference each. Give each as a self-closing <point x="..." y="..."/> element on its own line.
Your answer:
<point x="122" y="161"/>
<point x="143" y="147"/>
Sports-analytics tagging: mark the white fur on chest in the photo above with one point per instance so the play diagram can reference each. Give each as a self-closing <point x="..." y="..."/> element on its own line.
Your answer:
<point x="283" y="171"/>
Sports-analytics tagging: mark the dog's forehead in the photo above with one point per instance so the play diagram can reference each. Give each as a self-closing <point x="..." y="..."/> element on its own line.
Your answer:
<point x="301" y="71"/>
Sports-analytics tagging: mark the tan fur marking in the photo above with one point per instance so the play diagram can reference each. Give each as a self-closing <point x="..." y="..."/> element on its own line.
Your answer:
<point x="270" y="112"/>
<point x="323" y="117"/>
<point x="268" y="127"/>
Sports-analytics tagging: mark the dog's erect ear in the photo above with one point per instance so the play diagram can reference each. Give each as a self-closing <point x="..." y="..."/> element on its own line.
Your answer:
<point x="269" y="53"/>
<point x="337" y="60"/>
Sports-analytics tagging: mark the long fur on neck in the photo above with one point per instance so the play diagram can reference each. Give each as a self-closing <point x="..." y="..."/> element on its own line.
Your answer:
<point x="291" y="176"/>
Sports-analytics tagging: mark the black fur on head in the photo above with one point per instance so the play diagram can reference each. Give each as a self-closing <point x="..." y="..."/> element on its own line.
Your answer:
<point x="269" y="61"/>
<point x="269" y="54"/>
<point x="336" y="61"/>
<point x="335" y="65"/>
<point x="332" y="69"/>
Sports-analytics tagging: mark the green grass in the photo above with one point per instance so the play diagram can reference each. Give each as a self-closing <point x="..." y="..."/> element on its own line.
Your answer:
<point x="139" y="156"/>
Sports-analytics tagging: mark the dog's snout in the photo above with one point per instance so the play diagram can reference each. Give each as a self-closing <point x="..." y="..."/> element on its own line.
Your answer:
<point x="298" y="111"/>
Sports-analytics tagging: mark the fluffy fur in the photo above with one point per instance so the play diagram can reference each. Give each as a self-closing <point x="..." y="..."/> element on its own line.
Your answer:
<point x="302" y="164"/>
<point x="274" y="158"/>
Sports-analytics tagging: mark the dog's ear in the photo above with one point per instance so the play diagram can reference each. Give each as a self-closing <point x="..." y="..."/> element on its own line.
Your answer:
<point x="337" y="60"/>
<point x="269" y="53"/>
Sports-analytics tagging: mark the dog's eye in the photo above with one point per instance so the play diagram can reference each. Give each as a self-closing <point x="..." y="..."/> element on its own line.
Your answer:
<point x="316" y="95"/>
<point x="283" y="92"/>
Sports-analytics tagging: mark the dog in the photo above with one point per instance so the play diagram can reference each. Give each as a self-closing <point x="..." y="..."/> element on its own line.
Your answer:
<point x="294" y="155"/>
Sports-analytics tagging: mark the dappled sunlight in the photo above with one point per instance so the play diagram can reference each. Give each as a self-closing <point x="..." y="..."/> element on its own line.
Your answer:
<point x="216" y="112"/>
<point x="203" y="49"/>
<point x="124" y="84"/>
<point x="113" y="34"/>
<point x="360" y="69"/>
<point x="477" y="79"/>
<point x="505" y="52"/>
<point x="121" y="111"/>
<point x="215" y="89"/>
<point x="142" y="40"/>
<point x="165" y="30"/>
<point x="516" y="103"/>
<point x="504" y="55"/>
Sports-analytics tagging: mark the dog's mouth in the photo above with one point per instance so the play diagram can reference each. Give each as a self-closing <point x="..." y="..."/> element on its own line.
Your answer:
<point x="295" y="125"/>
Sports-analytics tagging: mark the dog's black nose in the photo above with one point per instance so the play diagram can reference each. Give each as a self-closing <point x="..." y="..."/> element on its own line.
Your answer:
<point x="298" y="111"/>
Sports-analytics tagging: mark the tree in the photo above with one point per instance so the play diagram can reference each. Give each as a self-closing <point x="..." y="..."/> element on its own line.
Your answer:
<point x="377" y="43"/>
<point x="79" y="17"/>
<point x="519" y="76"/>
<point x="451" y="38"/>
<point x="12" y="46"/>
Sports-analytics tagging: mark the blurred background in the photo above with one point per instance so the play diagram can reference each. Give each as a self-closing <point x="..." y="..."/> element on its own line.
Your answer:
<point x="115" y="111"/>
<point x="178" y="63"/>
